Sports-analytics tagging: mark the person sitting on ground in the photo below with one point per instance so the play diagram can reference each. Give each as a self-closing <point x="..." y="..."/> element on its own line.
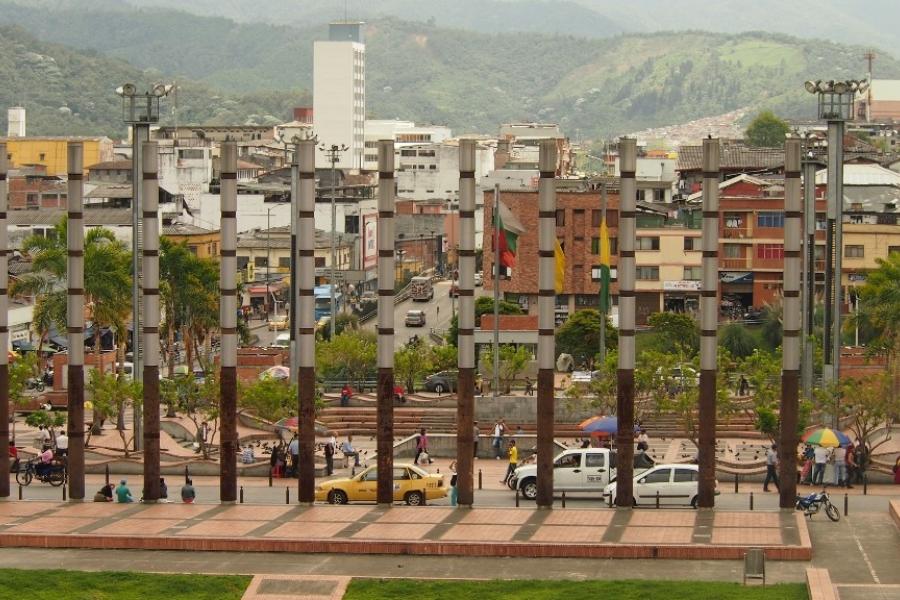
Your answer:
<point x="348" y="450"/>
<point x="247" y="455"/>
<point x="104" y="494"/>
<point x="163" y="490"/>
<point x="188" y="495"/>
<point x="643" y="440"/>
<point x="123" y="494"/>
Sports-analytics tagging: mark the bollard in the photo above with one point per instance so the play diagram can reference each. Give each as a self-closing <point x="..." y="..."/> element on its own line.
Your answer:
<point x="846" y="503"/>
<point x="563" y="499"/>
<point x="242" y="495"/>
<point x="353" y="471"/>
<point x="424" y="497"/>
<point x="20" y="492"/>
<point x="865" y="484"/>
<point x="735" y="483"/>
<point x="287" y="495"/>
<point x="751" y="500"/>
<point x="270" y="476"/>
<point x="517" y="497"/>
<point x="107" y="474"/>
<point x="187" y="474"/>
<point x="657" y="498"/>
<point x="64" y="491"/>
<point x="479" y="481"/>
<point x="610" y="500"/>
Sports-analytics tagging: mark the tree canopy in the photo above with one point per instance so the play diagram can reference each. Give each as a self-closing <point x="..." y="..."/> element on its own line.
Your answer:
<point x="766" y="130"/>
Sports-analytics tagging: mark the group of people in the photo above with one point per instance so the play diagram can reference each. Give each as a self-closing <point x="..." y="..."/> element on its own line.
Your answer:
<point x="285" y="461"/>
<point x="122" y="494"/>
<point x="850" y="464"/>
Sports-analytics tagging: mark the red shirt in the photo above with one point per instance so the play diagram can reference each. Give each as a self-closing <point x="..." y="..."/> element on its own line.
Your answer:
<point x="13" y="452"/>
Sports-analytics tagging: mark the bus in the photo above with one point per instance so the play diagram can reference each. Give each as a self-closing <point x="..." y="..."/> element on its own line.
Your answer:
<point x="420" y="289"/>
<point x="322" y="296"/>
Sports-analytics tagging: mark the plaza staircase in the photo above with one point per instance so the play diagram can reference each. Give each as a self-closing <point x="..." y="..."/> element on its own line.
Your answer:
<point x="361" y="420"/>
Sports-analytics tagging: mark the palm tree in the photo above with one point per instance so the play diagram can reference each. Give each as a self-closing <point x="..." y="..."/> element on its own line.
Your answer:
<point x="880" y="308"/>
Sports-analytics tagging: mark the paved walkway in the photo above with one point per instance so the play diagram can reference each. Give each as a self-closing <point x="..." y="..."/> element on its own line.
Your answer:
<point x="429" y="530"/>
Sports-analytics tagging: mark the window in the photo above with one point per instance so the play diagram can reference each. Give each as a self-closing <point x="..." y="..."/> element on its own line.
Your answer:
<point x="854" y="251"/>
<point x="770" y="219"/>
<point x="691" y="243"/>
<point x="685" y="475"/>
<point x="658" y="476"/>
<point x="648" y="273"/>
<point x="371" y="475"/>
<point x="320" y="261"/>
<point x="596" y="215"/>
<point x="568" y="461"/>
<point x="193" y="249"/>
<point x="594" y="460"/>
<point x="893" y="249"/>
<point x="259" y="262"/>
<point x="693" y="273"/>
<point x="284" y="262"/>
<point x="432" y="167"/>
<point x="42" y="156"/>
<point x="770" y="251"/>
<point x="560" y="218"/>
<point x="613" y="245"/>
<point x="407" y="153"/>
<point x="646" y="243"/>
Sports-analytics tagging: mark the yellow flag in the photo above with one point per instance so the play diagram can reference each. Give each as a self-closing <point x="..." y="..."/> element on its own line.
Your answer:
<point x="560" y="259"/>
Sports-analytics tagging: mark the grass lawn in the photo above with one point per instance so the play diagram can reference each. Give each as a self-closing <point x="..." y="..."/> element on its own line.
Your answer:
<point x="401" y="589"/>
<point x="77" y="585"/>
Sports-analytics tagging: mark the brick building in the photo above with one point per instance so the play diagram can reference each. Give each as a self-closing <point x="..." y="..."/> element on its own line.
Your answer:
<point x="32" y="188"/>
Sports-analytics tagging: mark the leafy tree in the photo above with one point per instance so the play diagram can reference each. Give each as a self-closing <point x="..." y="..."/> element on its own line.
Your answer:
<point x="443" y="358"/>
<point x="604" y="387"/>
<point x="198" y="400"/>
<point x="880" y="307"/>
<point x="866" y="404"/>
<point x="49" y="419"/>
<point x="675" y="333"/>
<point x="483" y="305"/>
<point x="772" y="326"/>
<point x="112" y="395"/>
<point x="513" y="361"/>
<point x="410" y="363"/>
<point x="350" y="355"/>
<point x="343" y="322"/>
<point x="580" y="336"/>
<point x="766" y="130"/>
<point x="737" y="340"/>
<point x="268" y="398"/>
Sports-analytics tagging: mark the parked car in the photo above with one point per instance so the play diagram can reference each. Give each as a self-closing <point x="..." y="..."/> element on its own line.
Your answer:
<point x="445" y="381"/>
<point x="479" y="279"/>
<point x="676" y="484"/>
<point x="415" y="318"/>
<point x="411" y="485"/>
<point x="282" y="340"/>
<point x="574" y="470"/>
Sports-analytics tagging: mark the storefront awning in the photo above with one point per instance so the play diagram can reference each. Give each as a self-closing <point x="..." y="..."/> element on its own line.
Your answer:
<point x="736" y="277"/>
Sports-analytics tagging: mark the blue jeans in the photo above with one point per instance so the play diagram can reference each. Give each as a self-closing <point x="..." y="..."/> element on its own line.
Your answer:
<point x="840" y="473"/>
<point x="818" y="473"/>
<point x="454" y="494"/>
<point x="498" y="447"/>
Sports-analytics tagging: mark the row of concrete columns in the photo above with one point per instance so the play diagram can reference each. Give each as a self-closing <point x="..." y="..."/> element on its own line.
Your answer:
<point x="304" y="161"/>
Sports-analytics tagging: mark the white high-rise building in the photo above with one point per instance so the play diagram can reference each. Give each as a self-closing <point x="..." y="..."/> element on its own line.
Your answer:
<point x="339" y="93"/>
<point x="15" y="123"/>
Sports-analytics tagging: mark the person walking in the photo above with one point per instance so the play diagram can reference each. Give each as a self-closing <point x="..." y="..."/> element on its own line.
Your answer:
<point x="771" y="468"/>
<point x="497" y="439"/>
<point x="43" y="437"/>
<point x="62" y="443"/>
<point x="743" y="387"/>
<point x="422" y="447"/>
<point x="329" y="456"/>
<point x="513" y="453"/>
<point x="820" y="456"/>
<point x="840" y="466"/>
<point x="475" y="434"/>
<point x="188" y="493"/>
<point x="123" y="494"/>
<point x="897" y="471"/>
<point x="454" y="480"/>
<point x="862" y="462"/>
<point x="529" y="386"/>
<point x="294" y="451"/>
<point x="851" y="465"/>
<point x="806" y="473"/>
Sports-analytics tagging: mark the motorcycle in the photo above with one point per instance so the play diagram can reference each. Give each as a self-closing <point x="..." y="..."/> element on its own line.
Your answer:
<point x="814" y="502"/>
<point x="34" y="383"/>
<point x="52" y="473"/>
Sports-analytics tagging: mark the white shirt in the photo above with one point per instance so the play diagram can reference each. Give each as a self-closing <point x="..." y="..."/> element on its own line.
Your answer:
<point x="821" y="455"/>
<point x="771" y="456"/>
<point x="62" y="442"/>
<point x="644" y="438"/>
<point x="840" y="454"/>
<point x="498" y="431"/>
<point x="44" y="435"/>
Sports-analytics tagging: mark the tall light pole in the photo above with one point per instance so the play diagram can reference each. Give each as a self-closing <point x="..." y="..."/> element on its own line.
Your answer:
<point x="140" y="110"/>
<point x="268" y="257"/>
<point x="333" y="154"/>
<point x="835" y="104"/>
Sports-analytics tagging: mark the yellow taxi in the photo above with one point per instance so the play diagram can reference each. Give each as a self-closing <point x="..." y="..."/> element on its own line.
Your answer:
<point x="279" y="323"/>
<point x="411" y="485"/>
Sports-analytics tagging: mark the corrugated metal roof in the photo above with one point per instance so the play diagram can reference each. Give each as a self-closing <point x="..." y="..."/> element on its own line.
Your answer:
<point x="863" y="174"/>
<point x="93" y="217"/>
<point x="885" y="89"/>
<point x="690" y="158"/>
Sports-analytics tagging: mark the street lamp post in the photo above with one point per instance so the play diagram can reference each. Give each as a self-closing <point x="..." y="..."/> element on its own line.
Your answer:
<point x="268" y="258"/>
<point x="140" y="110"/>
<point x="835" y="105"/>
<point x="333" y="154"/>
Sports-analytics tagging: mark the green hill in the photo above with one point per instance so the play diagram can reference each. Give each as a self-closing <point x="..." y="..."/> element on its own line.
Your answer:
<point x="470" y="81"/>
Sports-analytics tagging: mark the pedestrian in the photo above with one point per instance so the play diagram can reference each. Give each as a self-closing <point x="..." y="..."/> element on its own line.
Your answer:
<point x="163" y="490"/>
<point x="346" y="394"/>
<point x="188" y="494"/>
<point x="840" y="466"/>
<point x="294" y="451"/>
<point x="247" y="456"/>
<point x="475" y="434"/>
<point x="808" y="459"/>
<point x="897" y="471"/>
<point x="329" y="456"/>
<point x="123" y="494"/>
<point x="43" y="437"/>
<point x="862" y="462"/>
<point x="851" y="465"/>
<point x="497" y="439"/>
<point x="529" y="387"/>
<point x="771" y="468"/>
<point x="62" y="444"/>
<point x="643" y="441"/>
<point x="422" y="447"/>
<point x="513" y="453"/>
<point x="454" y="480"/>
<point x="273" y="462"/>
<point x="104" y="494"/>
<point x="743" y="386"/>
<point x="820" y="458"/>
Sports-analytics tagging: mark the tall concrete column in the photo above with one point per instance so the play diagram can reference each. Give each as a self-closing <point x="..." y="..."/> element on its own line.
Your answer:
<point x="385" y="424"/>
<point x="807" y="365"/>
<point x="626" y="275"/>
<point x="75" y="319"/>
<point x="709" y="322"/>
<point x="791" y="317"/>
<point x="150" y="322"/>
<point x="305" y="317"/>
<point x="546" y="357"/>
<point x="465" y="409"/>
<point x="835" y="214"/>
<point x="228" y="319"/>
<point x="4" y="326"/>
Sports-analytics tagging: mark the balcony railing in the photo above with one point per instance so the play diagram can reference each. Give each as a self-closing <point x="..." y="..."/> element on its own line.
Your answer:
<point x="736" y="263"/>
<point x="736" y="233"/>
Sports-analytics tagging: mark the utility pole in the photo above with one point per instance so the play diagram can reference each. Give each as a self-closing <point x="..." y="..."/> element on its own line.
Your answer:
<point x="333" y="154"/>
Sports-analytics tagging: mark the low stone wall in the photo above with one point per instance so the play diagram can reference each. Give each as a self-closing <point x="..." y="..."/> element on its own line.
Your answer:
<point x="524" y="408"/>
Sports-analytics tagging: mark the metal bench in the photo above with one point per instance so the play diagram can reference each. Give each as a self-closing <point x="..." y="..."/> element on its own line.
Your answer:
<point x="755" y="564"/>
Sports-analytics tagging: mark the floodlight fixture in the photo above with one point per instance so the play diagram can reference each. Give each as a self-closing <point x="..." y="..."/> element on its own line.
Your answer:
<point x="810" y="86"/>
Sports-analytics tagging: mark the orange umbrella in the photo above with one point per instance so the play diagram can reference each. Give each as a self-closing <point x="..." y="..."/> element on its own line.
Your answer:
<point x="588" y="421"/>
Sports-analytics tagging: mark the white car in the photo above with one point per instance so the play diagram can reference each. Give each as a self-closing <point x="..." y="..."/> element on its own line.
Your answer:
<point x="574" y="470"/>
<point x="479" y="279"/>
<point x="676" y="484"/>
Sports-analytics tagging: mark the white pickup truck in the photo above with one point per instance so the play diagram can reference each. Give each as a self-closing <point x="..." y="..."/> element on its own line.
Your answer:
<point x="574" y="470"/>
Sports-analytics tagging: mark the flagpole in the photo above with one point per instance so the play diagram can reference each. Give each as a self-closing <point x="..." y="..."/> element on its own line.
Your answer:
<point x="603" y="307"/>
<point x="496" y="383"/>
